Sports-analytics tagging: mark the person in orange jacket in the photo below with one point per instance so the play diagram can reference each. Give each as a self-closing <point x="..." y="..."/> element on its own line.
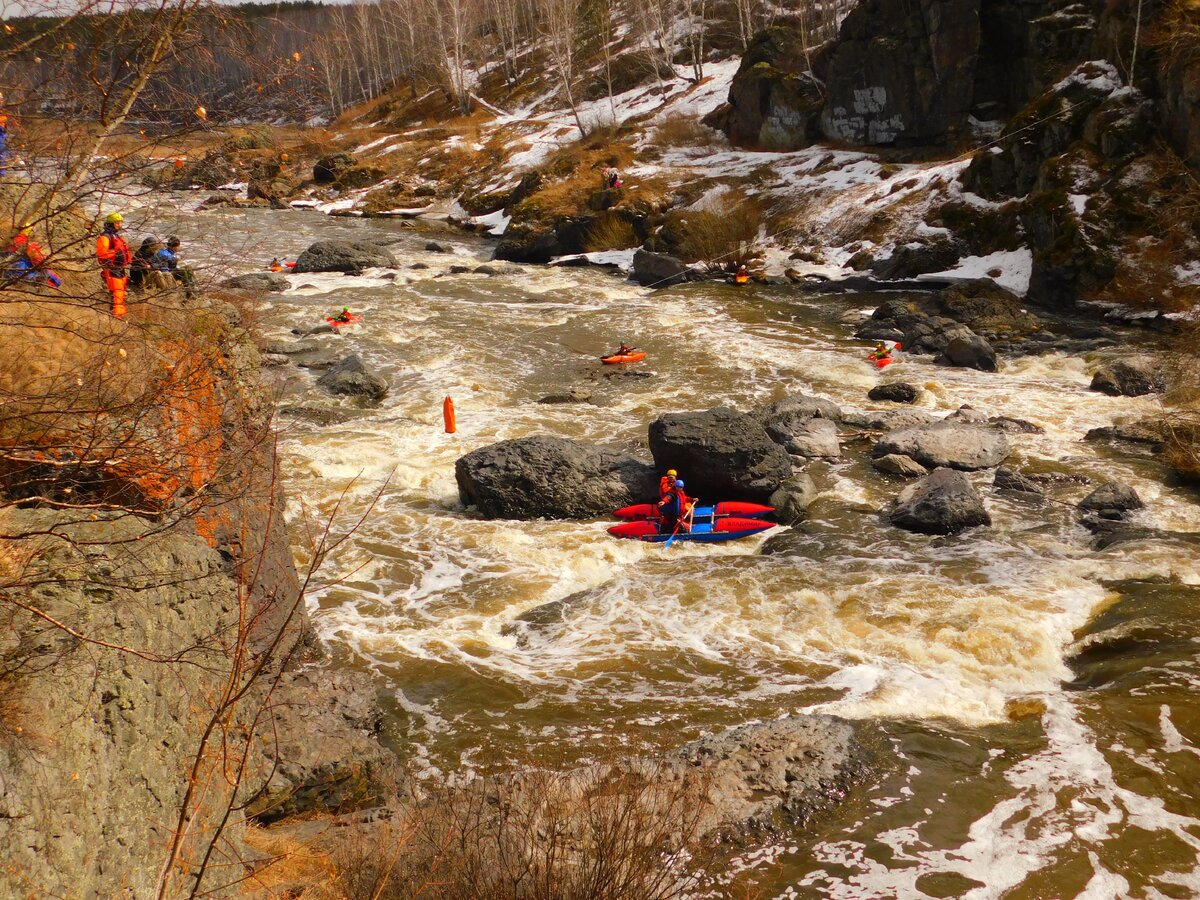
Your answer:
<point x="113" y="254"/>
<point x="666" y="483"/>
<point x="675" y="510"/>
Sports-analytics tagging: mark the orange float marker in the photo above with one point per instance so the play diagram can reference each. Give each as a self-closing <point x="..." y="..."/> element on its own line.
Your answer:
<point x="448" y="416"/>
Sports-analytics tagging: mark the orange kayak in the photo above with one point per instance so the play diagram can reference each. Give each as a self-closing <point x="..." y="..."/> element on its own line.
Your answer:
<point x="616" y="359"/>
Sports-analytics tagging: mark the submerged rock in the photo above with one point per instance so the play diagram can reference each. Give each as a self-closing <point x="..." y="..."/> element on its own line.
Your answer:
<point x="970" y="351"/>
<point x="353" y="378"/>
<point x="722" y="454"/>
<point x="344" y="256"/>
<point x="946" y="444"/>
<point x="943" y="502"/>
<point x="546" y="477"/>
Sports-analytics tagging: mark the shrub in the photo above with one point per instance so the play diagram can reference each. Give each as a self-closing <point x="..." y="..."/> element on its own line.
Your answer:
<point x="719" y="237"/>
<point x="611" y="233"/>
<point x="684" y="131"/>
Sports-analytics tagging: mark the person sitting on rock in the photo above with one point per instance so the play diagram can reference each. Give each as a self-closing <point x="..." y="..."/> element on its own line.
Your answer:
<point x="674" y="510"/>
<point x="24" y="259"/>
<point x="141" y="265"/>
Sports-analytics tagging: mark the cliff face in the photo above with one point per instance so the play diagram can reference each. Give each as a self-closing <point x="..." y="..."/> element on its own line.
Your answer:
<point x="150" y="623"/>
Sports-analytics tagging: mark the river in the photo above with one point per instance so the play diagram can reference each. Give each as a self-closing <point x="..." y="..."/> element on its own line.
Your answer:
<point x="1029" y="701"/>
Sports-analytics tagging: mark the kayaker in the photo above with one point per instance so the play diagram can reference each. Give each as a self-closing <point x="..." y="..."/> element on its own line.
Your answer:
<point x="666" y="483"/>
<point x="624" y="350"/>
<point x="276" y="265"/>
<point x="672" y="507"/>
<point x="742" y="276"/>
<point x="344" y="316"/>
<point x="881" y="351"/>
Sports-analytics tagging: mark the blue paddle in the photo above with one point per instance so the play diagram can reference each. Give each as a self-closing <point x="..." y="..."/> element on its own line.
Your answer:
<point x="678" y="525"/>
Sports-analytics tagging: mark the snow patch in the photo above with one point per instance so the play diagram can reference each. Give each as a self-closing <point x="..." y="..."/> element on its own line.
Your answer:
<point x="1014" y="267"/>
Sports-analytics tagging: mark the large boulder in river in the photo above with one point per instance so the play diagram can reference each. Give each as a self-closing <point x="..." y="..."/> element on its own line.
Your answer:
<point x="659" y="270"/>
<point x="970" y="351"/>
<point x="1132" y="377"/>
<point x="943" y="502"/>
<point x="545" y="477"/>
<point x="271" y="282"/>
<point x="344" y="256"/>
<point x="722" y="454"/>
<point x="946" y="444"/>
<point x="895" y="392"/>
<point x="816" y="438"/>
<point x="792" y="499"/>
<point x="351" y="377"/>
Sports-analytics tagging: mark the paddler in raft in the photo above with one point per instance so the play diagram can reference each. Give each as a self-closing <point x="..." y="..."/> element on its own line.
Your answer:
<point x="674" y="507"/>
<point x="881" y="351"/>
<point x="344" y="316"/>
<point x="666" y="483"/>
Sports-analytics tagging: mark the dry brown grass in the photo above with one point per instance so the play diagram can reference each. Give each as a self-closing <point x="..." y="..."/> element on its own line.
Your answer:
<point x="685" y="131"/>
<point x="720" y="237"/>
<point x="611" y="233"/>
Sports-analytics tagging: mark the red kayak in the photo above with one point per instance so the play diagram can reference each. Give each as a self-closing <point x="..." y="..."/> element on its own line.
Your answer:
<point x="615" y="359"/>
<point x="352" y="319"/>
<point x="704" y="531"/>
<point x="726" y="508"/>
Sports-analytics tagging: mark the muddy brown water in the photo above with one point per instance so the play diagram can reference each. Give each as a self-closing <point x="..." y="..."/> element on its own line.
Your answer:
<point x="1030" y="701"/>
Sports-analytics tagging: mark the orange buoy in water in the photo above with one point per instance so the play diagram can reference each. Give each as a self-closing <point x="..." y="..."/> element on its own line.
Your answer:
<point x="448" y="416"/>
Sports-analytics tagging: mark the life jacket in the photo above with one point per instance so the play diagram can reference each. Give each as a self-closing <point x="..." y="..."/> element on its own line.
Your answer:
<point x="666" y="484"/>
<point x="113" y="254"/>
<point x="25" y="250"/>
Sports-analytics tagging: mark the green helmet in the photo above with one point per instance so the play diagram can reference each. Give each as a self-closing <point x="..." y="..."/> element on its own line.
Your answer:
<point x="114" y="218"/>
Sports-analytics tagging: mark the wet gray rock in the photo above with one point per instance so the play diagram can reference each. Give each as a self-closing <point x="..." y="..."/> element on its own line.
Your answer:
<point x="352" y="377"/>
<point x="1009" y="425"/>
<point x="946" y="444"/>
<point x="722" y="454"/>
<point x="967" y="415"/>
<point x="943" y="502"/>
<point x="971" y="352"/>
<point x="795" y="410"/>
<point x="792" y="499"/>
<point x="659" y="270"/>
<point x="887" y="420"/>
<point x="328" y="758"/>
<point x="811" y="439"/>
<point x="319" y="359"/>
<point x="898" y="464"/>
<point x="274" y="360"/>
<point x="894" y="392"/>
<point x="1112" y="500"/>
<point x="551" y="478"/>
<point x="435" y="247"/>
<point x="1012" y="480"/>
<point x="459" y="270"/>
<point x="1132" y="377"/>
<point x="344" y="256"/>
<point x="271" y="282"/>
<point x="291" y="348"/>
<point x="315" y="330"/>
